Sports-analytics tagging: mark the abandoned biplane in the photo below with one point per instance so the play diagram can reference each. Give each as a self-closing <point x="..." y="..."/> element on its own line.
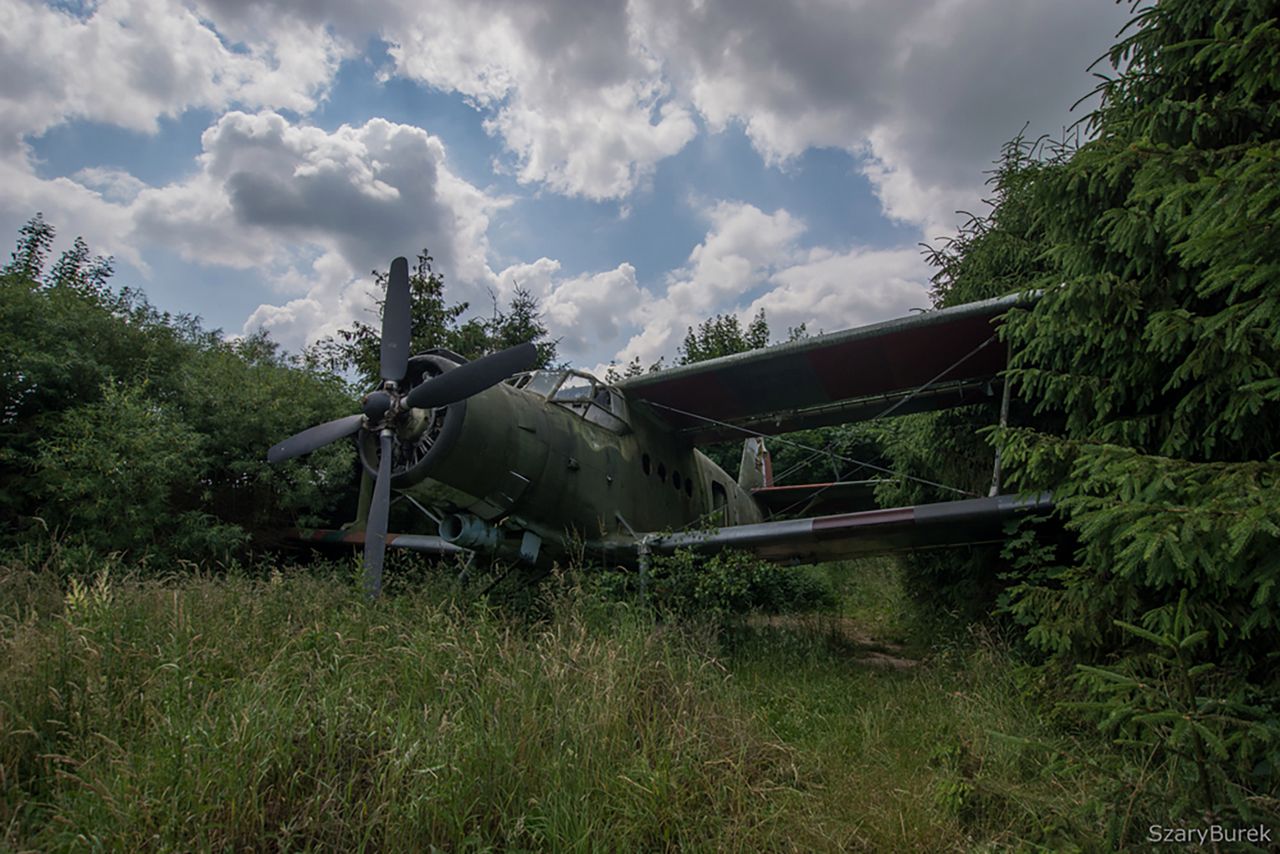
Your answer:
<point x="532" y="465"/>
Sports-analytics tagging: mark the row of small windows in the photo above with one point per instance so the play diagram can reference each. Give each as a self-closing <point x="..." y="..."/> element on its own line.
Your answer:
<point x="685" y="483"/>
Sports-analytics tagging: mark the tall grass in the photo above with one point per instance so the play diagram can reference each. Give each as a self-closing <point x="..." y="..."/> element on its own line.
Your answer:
<point x="919" y="748"/>
<point x="288" y="713"/>
<point x="291" y="714"/>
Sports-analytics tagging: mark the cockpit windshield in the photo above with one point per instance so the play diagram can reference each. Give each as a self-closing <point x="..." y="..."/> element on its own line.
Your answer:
<point x="538" y="382"/>
<point x="578" y="392"/>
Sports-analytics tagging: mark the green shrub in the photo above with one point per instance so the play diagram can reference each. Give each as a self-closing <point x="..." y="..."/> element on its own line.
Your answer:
<point x="132" y="430"/>
<point x="729" y="583"/>
<point x="1213" y="740"/>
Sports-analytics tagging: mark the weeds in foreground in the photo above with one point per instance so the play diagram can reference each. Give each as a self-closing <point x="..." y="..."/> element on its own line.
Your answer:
<point x="288" y="713"/>
<point x="284" y="711"/>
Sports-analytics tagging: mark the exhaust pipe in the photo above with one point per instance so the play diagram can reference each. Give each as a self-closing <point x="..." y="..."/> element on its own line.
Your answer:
<point x="469" y="532"/>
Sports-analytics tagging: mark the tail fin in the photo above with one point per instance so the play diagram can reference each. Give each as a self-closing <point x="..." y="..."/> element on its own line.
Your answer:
<point x="756" y="470"/>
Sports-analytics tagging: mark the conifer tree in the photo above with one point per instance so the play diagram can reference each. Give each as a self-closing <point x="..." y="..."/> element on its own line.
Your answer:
<point x="1153" y="353"/>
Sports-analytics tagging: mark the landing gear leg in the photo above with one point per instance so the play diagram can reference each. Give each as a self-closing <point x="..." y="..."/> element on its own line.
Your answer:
<point x="362" y="505"/>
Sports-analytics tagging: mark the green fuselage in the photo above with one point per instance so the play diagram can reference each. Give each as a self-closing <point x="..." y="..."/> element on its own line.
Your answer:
<point x="574" y="473"/>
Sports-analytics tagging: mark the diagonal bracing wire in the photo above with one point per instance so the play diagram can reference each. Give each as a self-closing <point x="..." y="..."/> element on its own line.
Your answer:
<point x="803" y="447"/>
<point x="948" y="369"/>
<point x="858" y="464"/>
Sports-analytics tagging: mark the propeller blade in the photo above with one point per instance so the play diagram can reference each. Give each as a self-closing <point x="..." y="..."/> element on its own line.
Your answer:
<point x="375" y="532"/>
<point x="473" y="377"/>
<point x="314" y="437"/>
<point x="396" y="323"/>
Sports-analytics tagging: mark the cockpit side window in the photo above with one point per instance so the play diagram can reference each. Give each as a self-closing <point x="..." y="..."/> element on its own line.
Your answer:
<point x="606" y="410"/>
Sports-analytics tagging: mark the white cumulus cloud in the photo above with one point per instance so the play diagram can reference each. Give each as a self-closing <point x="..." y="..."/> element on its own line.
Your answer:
<point x="574" y="96"/>
<point x="747" y="251"/>
<point x="925" y="92"/>
<point x="131" y="62"/>
<point x="271" y="192"/>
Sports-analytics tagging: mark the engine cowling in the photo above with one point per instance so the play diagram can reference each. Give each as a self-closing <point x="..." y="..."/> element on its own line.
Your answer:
<point x="424" y="436"/>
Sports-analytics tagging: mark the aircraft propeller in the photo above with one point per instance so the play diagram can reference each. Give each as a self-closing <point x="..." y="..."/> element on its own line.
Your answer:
<point x="387" y="404"/>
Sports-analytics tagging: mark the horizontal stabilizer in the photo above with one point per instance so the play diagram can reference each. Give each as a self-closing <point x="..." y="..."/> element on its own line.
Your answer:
<point x="817" y="499"/>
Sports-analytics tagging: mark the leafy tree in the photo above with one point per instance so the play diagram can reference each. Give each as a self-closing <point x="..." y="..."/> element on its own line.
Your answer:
<point x="435" y="323"/>
<point x="110" y="472"/>
<point x="133" y="430"/>
<point x="1002" y="251"/>
<point x="1155" y="340"/>
<point x="723" y="335"/>
<point x="717" y="336"/>
<point x="633" y="369"/>
<point x="519" y="323"/>
<point x="77" y="271"/>
<point x="35" y="239"/>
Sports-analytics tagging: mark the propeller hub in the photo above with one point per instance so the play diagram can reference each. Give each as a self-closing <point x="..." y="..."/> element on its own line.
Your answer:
<point x="376" y="405"/>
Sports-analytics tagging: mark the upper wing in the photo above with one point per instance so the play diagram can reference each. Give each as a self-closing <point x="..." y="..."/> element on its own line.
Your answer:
<point x="835" y="378"/>
<point x="823" y="538"/>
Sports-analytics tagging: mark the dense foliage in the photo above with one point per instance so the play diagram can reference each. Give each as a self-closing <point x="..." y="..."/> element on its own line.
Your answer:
<point x="1158" y="337"/>
<point x="723" y="335"/>
<point x="1150" y="402"/>
<point x="126" y="429"/>
<point x="436" y="324"/>
<point x="692" y="587"/>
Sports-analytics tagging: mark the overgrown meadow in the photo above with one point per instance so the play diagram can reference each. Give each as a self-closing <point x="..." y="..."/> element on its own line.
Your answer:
<point x="286" y="712"/>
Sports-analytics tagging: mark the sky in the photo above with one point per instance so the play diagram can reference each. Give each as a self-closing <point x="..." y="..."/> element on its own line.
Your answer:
<point x="638" y="165"/>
